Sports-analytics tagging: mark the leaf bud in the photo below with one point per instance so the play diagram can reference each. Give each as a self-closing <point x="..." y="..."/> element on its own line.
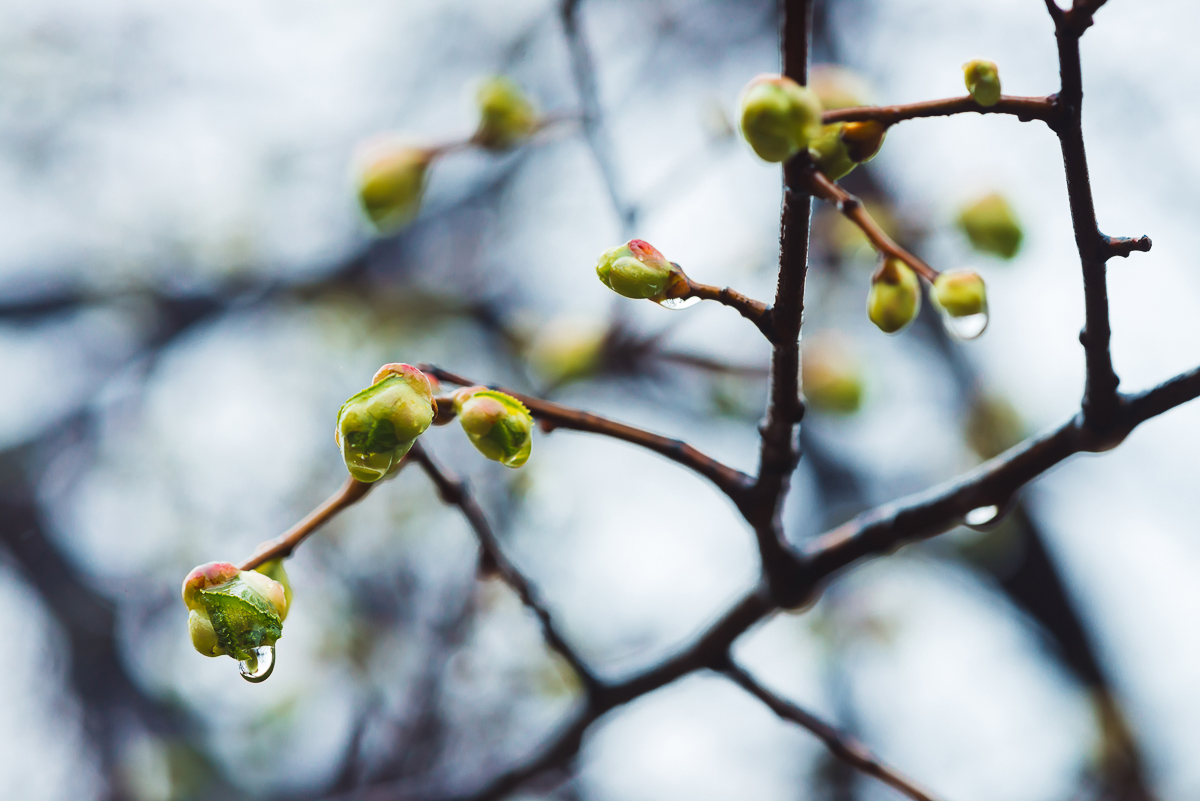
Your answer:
<point x="637" y="270"/>
<point x="960" y="293"/>
<point x="377" y="426"/>
<point x="895" y="296"/>
<point x="831" y="377"/>
<point x="506" y="117"/>
<point x="233" y="611"/>
<point x="830" y="153"/>
<point x="391" y="180"/>
<point x="863" y="139"/>
<point x="992" y="226"/>
<point x="983" y="81"/>
<point x="498" y="425"/>
<point x="779" y="117"/>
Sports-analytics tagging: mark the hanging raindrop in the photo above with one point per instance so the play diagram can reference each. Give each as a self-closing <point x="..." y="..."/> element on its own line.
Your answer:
<point x="967" y="327"/>
<point x="260" y="664"/>
<point x="678" y="303"/>
<point x="981" y="516"/>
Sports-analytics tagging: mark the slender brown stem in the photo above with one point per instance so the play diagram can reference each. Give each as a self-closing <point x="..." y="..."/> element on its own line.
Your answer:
<point x="282" y="546"/>
<point x="1023" y="108"/>
<point x="840" y="744"/>
<point x="755" y="311"/>
<point x="555" y="415"/>
<point x="852" y="209"/>
<point x="457" y="492"/>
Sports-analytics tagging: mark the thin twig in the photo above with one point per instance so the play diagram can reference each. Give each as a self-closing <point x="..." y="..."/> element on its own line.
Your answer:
<point x="457" y="492"/>
<point x="753" y="310"/>
<point x="1023" y="108"/>
<point x="554" y="415"/>
<point x="841" y="745"/>
<point x="282" y="546"/>
<point x="853" y="210"/>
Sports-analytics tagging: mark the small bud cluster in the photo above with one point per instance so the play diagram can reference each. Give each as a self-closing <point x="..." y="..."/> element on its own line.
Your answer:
<point x="390" y="174"/>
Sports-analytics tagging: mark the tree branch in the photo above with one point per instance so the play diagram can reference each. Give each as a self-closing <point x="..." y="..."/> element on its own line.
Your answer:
<point x="755" y="311"/>
<point x="456" y="492"/>
<point x="282" y="546"/>
<point x="1023" y="108"/>
<point x="552" y="415"/>
<point x="841" y="745"/>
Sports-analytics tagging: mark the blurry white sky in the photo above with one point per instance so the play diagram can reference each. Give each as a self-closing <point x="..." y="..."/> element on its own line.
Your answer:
<point x="187" y="142"/>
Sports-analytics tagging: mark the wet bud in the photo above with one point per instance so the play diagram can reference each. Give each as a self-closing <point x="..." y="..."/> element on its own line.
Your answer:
<point x="863" y="139"/>
<point x="830" y="153"/>
<point x="831" y="376"/>
<point x="376" y="427"/>
<point x="837" y="87"/>
<point x="637" y="270"/>
<point x="234" y="612"/>
<point x="895" y="296"/>
<point x="779" y="117"/>
<point x="391" y="180"/>
<point x="992" y="226"/>
<point x="983" y="81"/>
<point x="498" y="425"/>
<point x="506" y="117"/>
<point x="960" y="293"/>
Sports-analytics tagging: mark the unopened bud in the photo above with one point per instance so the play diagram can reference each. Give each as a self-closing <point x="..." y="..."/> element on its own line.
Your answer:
<point x="863" y="139"/>
<point x="992" y="226"/>
<point x="506" y="117"/>
<point x="233" y="611"/>
<point x="960" y="293"/>
<point x="498" y="425"/>
<point x="895" y="296"/>
<point x="391" y="180"/>
<point x="983" y="81"/>
<point x="779" y="117"/>
<point x="830" y="153"/>
<point x="637" y="270"/>
<point x="831" y="377"/>
<point x="376" y="427"/>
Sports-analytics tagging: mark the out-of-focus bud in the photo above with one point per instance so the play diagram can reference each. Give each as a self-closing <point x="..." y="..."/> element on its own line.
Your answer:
<point x="566" y="349"/>
<point x="960" y="293"/>
<point x="830" y="153"/>
<point x="274" y="570"/>
<point x="863" y="139"/>
<point x="831" y="376"/>
<point x="993" y="426"/>
<point x="895" y="296"/>
<point x="837" y="87"/>
<point x="637" y="270"/>
<point x="779" y="117"/>
<point x="498" y="425"/>
<point x="376" y="427"/>
<point x="234" y="612"/>
<point x="391" y="179"/>
<point x="983" y="81"/>
<point x="506" y="117"/>
<point x="992" y="226"/>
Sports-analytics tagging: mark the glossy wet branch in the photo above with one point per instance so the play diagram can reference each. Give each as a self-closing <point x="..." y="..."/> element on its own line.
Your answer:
<point x="753" y="310"/>
<point x="282" y="546"/>
<point x="1023" y="108"/>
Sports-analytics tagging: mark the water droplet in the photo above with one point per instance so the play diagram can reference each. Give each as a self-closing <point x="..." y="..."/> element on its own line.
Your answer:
<point x="259" y="666"/>
<point x="968" y="327"/>
<point x="366" y="466"/>
<point x="675" y="304"/>
<point x="981" y="516"/>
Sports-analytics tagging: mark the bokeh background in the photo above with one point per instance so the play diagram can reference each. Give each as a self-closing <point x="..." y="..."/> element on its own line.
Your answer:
<point x="188" y="292"/>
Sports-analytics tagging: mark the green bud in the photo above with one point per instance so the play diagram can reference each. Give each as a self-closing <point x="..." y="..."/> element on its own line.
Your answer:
<point x="779" y="117"/>
<point x="274" y="570"/>
<point x="376" y="427"/>
<point x="498" y="425"/>
<point x="233" y="611"/>
<point x="506" y="117"/>
<point x="960" y="292"/>
<point x="391" y="180"/>
<point x="831" y="377"/>
<point x="830" y="153"/>
<point x="895" y="296"/>
<point x="637" y="270"/>
<point x="992" y="226"/>
<point x="983" y="81"/>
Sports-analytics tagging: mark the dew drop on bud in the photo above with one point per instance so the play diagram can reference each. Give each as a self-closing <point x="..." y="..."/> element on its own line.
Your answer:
<point x="675" y="304"/>
<point x="259" y="666"/>
<point x="968" y="327"/>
